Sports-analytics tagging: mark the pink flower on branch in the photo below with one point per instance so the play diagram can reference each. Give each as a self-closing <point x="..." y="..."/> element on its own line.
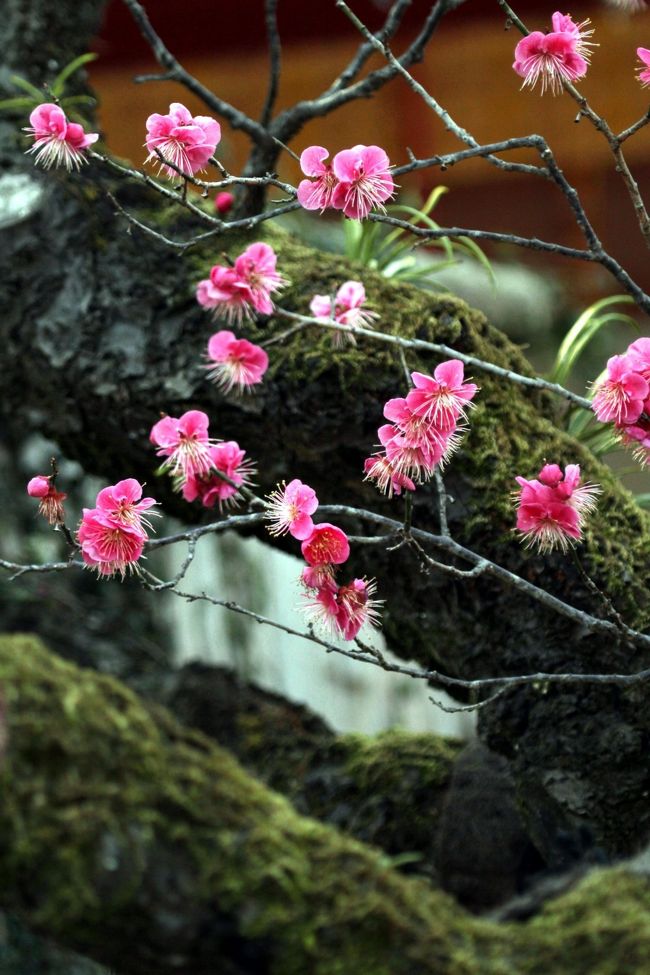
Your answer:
<point x="443" y="398"/>
<point x="389" y="481"/>
<point x="235" y="362"/>
<point x="316" y="193"/>
<point x="210" y="488"/>
<point x="238" y="292"/>
<point x="356" y="606"/>
<point x="256" y="267"/>
<point x="108" y="546"/>
<point x="50" y="500"/>
<point x="225" y="294"/>
<point x="550" y="59"/>
<point x="348" y="309"/>
<point x="184" y="442"/>
<point x="58" y="142"/>
<point x="364" y="181"/>
<point x="123" y="503"/>
<point x="289" y="509"/>
<point x="643" y="71"/>
<point x="551" y="509"/>
<point x="619" y="398"/>
<point x="223" y="203"/>
<point x="326" y="545"/>
<point x="185" y="141"/>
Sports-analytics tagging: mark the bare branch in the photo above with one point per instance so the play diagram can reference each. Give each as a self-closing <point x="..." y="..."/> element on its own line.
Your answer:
<point x="534" y="382"/>
<point x="275" y="54"/>
<point x="176" y="72"/>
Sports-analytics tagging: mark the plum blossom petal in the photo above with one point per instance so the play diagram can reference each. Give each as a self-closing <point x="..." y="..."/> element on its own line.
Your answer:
<point x="327" y="545"/>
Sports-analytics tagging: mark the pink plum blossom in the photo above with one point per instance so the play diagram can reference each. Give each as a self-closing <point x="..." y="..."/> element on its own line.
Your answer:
<point x="238" y="292"/>
<point x="340" y="610"/>
<point x="565" y="24"/>
<point x="348" y="309"/>
<point x="326" y="545"/>
<point x="183" y="140"/>
<point x="184" y="442"/>
<point x="225" y="294"/>
<point x="620" y="396"/>
<point x="356" y="606"/>
<point x="50" y="500"/>
<point x="319" y="577"/>
<point x="257" y="268"/>
<point x="426" y="428"/>
<point x="551" y="508"/>
<point x="316" y="193"/>
<point x="289" y="509"/>
<point x="235" y="362"/>
<point x="389" y="481"/>
<point x="550" y="58"/>
<point x="123" y="503"/>
<point x="58" y="142"/>
<point x="639" y="355"/>
<point x="643" y="72"/>
<point x="108" y="546"/>
<point x="223" y="203"/>
<point x="364" y="180"/>
<point x="321" y="608"/>
<point x="444" y="397"/>
<point x="225" y="458"/>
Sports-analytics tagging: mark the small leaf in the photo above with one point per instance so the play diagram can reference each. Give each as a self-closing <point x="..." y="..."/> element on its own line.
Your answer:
<point x="584" y="329"/>
<point x="27" y="86"/>
<point x="20" y="101"/>
<point x="58" y="84"/>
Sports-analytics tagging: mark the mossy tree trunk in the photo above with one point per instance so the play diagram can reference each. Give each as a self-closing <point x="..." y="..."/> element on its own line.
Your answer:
<point x="102" y="331"/>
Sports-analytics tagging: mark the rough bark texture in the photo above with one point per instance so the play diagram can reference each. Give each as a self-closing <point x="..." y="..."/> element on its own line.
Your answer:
<point x="146" y="845"/>
<point x="101" y="331"/>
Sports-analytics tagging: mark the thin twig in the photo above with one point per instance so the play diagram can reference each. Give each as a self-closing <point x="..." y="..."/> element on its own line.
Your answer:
<point x="275" y="55"/>
<point x="534" y="382"/>
<point x="175" y="71"/>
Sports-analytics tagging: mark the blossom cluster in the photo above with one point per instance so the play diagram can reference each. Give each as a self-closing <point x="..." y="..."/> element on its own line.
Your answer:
<point x="346" y="308"/>
<point x="551" y="508"/>
<point x="424" y="431"/>
<point x="243" y="289"/>
<point x="340" y="609"/>
<point x="622" y="397"/>
<point x="357" y="180"/>
<point x="112" y="535"/>
<point x="553" y="58"/>
<point x="201" y="467"/>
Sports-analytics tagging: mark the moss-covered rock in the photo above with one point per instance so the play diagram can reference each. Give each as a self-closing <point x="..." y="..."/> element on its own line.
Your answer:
<point x="147" y="846"/>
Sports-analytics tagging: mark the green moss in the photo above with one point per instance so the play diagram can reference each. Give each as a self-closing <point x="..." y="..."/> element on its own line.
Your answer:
<point x="105" y="803"/>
